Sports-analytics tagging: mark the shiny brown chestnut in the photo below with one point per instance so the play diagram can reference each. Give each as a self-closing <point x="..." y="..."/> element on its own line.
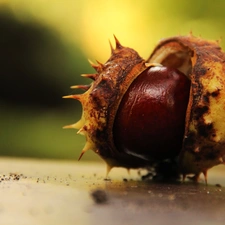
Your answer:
<point x="150" y="120"/>
<point x="139" y="112"/>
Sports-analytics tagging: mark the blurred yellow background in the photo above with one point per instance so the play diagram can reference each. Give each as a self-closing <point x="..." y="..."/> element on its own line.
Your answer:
<point x="44" y="46"/>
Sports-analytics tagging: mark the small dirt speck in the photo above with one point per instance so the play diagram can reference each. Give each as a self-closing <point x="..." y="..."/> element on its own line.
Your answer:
<point x="99" y="196"/>
<point x="107" y="179"/>
<point x="11" y="176"/>
<point x="218" y="185"/>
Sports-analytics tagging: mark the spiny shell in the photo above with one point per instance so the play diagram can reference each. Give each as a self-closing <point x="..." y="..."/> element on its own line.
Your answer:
<point x="202" y="61"/>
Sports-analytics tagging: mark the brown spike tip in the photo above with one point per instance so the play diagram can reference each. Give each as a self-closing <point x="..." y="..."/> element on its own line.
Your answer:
<point x="82" y="153"/>
<point x="91" y="76"/>
<point x="97" y="68"/>
<point x="111" y="47"/>
<point x="77" y="97"/>
<point x="118" y="45"/>
<point x="83" y="87"/>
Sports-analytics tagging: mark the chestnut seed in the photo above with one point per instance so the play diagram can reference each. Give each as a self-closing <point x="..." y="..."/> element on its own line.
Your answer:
<point x="150" y="120"/>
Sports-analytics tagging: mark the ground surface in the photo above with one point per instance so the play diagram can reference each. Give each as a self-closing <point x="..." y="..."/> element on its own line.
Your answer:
<point x="66" y="192"/>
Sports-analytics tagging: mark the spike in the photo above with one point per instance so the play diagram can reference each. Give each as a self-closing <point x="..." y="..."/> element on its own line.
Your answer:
<point x="205" y="176"/>
<point x="98" y="67"/>
<point x="68" y="126"/>
<point x="128" y="171"/>
<point x="68" y="96"/>
<point x="111" y="47"/>
<point x="87" y="146"/>
<point x="81" y="131"/>
<point x="91" y="76"/>
<point x="108" y="169"/>
<point x="90" y="62"/>
<point x="82" y="153"/>
<point x="100" y="64"/>
<point x="76" y="125"/>
<point x="79" y="123"/>
<point x="118" y="45"/>
<point x="83" y="87"/>
<point x="77" y="97"/>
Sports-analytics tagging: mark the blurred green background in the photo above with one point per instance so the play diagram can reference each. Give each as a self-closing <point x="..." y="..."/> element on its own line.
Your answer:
<point x="44" y="46"/>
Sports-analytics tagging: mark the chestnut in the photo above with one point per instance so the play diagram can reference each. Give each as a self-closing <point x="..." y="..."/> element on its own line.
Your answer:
<point x="138" y="113"/>
<point x="150" y="120"/>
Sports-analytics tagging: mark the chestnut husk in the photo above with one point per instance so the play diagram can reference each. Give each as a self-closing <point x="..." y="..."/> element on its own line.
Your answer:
<point x="201" y="61"/>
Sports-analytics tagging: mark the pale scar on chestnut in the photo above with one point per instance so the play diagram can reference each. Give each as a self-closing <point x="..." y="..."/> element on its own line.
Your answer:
<point x="169" y="108"/>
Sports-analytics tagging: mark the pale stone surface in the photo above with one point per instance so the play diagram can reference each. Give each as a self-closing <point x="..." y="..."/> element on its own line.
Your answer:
<point x="59" y="192"/>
